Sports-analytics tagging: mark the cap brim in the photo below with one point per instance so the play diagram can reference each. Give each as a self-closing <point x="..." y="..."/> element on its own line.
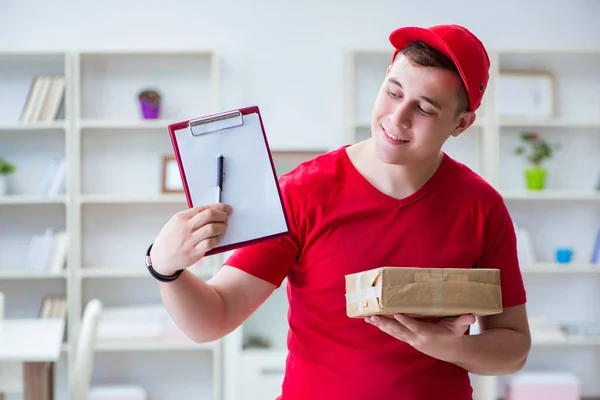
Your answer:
<point x="401" y="37"/>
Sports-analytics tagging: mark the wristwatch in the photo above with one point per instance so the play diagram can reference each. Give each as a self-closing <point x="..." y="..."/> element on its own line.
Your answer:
<point x="156" y="275"/>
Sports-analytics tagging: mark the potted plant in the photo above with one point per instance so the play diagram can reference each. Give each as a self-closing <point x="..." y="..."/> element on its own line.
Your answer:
<point x="6" y="169"/>
<point x="150" y="103"/>
<point x="539" y="150"/>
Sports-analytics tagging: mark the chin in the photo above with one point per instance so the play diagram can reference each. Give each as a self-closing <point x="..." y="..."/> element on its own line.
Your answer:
<point x="393" y="159"/>
<point x="389" y="153"/>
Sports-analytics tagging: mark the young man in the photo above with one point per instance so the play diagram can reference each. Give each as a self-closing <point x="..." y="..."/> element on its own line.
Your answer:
<point x="394" y="199"/>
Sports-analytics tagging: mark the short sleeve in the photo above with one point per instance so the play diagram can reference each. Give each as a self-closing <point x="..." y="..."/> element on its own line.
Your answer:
<point x="271" y="260"/>
<point x="500" y="252"/>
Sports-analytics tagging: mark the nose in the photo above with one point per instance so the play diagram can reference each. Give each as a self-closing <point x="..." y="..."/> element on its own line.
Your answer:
<point x="402" y="115"/>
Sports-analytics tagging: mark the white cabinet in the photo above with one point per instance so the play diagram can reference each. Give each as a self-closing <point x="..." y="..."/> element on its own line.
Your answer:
<point x="262" y="374"/>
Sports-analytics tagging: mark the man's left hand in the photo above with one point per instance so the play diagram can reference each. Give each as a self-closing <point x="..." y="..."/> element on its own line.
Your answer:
<point x="441" y="340"/>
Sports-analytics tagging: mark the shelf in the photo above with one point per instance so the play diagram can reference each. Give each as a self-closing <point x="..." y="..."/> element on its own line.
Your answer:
<point x="556" y="268"/>
<point x="166" y="52"/>
<point x="32" y="199"/>
<point x="98" y="272"/>
<point x="571" y="341"/>
<point x="125" y="199"/>
<point x="141" y="272"/>
<point x="151" y="345"/>
<point x="548" y="123"/>
<point x="552" y="52"/>
<point x="362" y="124"/>
<point x="125" y="124"/>
<point x="34" y="126"/>
<point x="21" y="274"/>
<point x="577" y="195"/>
<point x="280" y="353"/>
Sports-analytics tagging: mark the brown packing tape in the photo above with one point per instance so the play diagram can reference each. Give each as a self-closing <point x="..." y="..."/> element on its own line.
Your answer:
<point x="409" y="299"/>
<point x="436" y="291"/>
<point x="436" y="275"/>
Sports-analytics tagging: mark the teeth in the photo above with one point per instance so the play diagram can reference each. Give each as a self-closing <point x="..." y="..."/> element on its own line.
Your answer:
<point x="394" y="137"/>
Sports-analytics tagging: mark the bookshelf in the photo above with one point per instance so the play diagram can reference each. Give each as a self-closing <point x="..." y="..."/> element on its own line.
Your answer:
<point x="33" y="146"/>
<point x="111" y="205"/>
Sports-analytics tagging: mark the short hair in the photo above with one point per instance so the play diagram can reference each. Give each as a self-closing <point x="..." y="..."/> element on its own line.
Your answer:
<point x="420" y="53"/>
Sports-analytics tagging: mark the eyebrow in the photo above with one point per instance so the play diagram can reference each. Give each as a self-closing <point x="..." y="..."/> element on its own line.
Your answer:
<point x="427" y="99"/>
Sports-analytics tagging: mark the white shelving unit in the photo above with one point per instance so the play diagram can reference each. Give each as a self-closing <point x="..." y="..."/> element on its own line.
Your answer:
<point x="113" y="206"/>
<point x="567" y="213"/>
<point x="32" y="147"/>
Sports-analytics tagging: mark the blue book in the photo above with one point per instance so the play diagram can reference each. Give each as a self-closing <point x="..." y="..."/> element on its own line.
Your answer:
<point x="596" y="250"/>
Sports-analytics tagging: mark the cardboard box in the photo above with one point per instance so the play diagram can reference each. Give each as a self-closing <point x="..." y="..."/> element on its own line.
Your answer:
<point x="427" y="292"/>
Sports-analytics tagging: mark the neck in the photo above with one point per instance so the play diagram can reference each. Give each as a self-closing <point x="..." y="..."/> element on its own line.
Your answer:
<point x="398" y="181"/>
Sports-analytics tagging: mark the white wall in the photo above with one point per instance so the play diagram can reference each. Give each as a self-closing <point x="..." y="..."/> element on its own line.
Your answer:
<point x="287" y="56"/>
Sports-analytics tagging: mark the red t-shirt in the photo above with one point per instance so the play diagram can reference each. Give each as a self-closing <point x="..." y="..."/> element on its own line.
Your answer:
<point x="341" y="224"/>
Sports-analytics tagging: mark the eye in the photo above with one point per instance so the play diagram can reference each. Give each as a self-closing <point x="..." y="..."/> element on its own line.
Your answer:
<point x="392" y="94"/>
<point x="422" y="111"/>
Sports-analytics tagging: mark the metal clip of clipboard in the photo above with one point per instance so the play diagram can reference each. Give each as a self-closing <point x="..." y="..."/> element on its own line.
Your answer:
<point x="216" y="122"/>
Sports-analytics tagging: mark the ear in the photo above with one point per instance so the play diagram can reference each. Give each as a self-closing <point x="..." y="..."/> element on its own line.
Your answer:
<point x="465" y="120"/>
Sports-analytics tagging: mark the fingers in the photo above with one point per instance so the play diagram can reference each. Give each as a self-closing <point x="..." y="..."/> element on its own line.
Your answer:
<point x="392" y="327"/>
<point x="464" y="320"/>
<point x="191" y="212"/>
<point x="411" y="323"/>
<point x="210" y="214"/>
<point x="206" y="245"/>
<point x="208" y="231"/>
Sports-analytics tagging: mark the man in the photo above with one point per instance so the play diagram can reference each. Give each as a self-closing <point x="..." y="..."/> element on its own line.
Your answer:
<point x="394" y="199"/>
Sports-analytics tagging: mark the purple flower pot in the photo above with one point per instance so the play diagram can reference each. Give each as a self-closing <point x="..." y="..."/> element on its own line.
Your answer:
<point x="149" y="111"/>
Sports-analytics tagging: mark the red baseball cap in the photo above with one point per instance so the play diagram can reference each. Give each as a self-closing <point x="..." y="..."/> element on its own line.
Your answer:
<point x="460" y="45"/>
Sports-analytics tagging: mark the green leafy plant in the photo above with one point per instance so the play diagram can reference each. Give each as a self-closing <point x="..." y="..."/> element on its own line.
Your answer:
<point x="153" y="97"/>
<point x="539" y="149"/>
<point x="6" y="167"/>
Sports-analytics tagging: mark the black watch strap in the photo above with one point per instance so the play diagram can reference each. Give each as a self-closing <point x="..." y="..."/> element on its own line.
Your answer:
<point x="156" y="275"/>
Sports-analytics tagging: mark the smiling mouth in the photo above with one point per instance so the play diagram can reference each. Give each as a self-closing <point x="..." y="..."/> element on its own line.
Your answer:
<point x="394" y="137"/>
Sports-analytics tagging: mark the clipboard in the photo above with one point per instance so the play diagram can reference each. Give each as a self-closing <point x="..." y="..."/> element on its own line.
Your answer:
<point x="248" y="176"/>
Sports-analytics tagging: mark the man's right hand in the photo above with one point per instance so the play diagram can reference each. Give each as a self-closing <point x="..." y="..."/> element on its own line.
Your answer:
<point x="187" y="236"/>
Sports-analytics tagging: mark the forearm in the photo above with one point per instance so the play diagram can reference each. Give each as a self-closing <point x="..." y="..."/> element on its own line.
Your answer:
<point x="493" y="352"/>
<point x="195" y="306"/>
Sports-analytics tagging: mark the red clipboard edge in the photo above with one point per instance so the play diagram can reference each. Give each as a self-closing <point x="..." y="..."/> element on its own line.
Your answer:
<point x="244" y="111"/>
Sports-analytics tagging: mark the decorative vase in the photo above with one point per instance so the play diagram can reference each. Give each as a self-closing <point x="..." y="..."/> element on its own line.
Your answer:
<point x="535" y="178"/>
<point x="3" y="185"/>
<point x="149" y="111"/>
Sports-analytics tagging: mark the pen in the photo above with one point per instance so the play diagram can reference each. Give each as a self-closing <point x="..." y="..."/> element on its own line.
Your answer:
<point x="220" y="176"/>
